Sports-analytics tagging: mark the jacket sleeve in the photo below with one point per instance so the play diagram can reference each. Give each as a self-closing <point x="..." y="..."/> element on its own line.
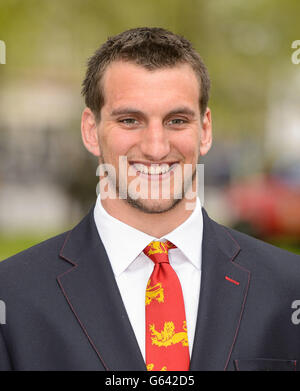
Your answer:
<point x="5" y="363"/>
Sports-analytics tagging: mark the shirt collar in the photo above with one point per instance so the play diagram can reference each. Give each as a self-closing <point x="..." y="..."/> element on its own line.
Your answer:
<point x="124" y="243"/>
<point x="188" y="236"/>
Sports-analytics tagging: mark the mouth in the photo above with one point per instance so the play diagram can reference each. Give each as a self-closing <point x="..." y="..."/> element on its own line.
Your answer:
<point x="154" y="171"/>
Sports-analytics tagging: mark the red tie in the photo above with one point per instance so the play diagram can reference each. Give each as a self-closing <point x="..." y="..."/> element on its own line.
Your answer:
<point x="167" y="346"/>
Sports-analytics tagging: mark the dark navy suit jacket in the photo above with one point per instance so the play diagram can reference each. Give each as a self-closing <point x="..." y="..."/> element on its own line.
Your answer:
<point x="64" y="310"/>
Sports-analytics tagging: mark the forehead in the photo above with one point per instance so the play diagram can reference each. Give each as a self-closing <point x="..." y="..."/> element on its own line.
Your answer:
<point x="129" y="83"/>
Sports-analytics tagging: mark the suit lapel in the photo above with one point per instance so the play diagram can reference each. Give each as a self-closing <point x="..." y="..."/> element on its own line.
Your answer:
<point x="91" y="291"/>
<point x="223" y="292"/>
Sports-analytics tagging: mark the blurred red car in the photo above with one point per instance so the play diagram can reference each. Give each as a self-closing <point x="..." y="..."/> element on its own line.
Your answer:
<point x="267" y="205"/>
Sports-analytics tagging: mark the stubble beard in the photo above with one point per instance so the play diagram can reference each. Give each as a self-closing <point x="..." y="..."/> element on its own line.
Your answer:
<point x="152" y="206"/>
<point x="163" y="205"/>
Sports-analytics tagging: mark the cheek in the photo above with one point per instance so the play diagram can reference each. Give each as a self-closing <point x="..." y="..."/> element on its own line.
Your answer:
<point x="116" y="143"/>
<point x="188" y="146"/>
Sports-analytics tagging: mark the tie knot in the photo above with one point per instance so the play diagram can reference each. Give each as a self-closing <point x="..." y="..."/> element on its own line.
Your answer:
<point x="158" y="251"/>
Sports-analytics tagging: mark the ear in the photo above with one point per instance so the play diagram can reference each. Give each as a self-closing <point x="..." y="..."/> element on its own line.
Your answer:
<point x="89" y="132"/>
<point x="206" y="133"/>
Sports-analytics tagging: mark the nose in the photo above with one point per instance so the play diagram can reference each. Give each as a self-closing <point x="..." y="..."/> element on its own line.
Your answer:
<point x="155" y="144"/>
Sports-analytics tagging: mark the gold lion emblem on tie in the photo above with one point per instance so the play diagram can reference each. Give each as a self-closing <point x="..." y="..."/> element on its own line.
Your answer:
<point x="150" y="367"/>
<point x="155" y="292"/>
<point x="157" y="248"/>
<point x="168" y="336"/>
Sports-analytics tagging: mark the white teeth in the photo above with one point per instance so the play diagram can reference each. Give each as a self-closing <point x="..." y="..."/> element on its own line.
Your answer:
<point x="153" y="169"/>
<point x="141" y="168"/>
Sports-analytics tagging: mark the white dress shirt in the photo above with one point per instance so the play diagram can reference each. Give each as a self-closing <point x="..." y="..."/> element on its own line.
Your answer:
<point x="132" y="268"/>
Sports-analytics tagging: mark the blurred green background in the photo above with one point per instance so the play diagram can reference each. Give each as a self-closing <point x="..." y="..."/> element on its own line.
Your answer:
<point x="48" y="180"/>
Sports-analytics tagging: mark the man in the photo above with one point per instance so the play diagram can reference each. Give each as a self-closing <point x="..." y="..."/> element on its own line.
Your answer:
<point x="147" y="281"/>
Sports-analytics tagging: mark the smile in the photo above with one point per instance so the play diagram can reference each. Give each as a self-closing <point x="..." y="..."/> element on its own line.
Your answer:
<point x="154" y="169"/>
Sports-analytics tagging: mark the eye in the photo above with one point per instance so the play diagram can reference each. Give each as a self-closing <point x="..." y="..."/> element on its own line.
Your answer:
<point x="176" y="121"/>
<point x="128" y="121"/>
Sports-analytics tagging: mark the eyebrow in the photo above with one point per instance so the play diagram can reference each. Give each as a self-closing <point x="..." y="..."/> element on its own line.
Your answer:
<point x="183" y="110"/>
<point x="130" y="110"/>
<point x="125" y="110"/>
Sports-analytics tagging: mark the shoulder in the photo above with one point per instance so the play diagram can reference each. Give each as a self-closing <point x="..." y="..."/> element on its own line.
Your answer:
<point x="264" y="258"/>
<point x="28" y="281"/>
<point x="34" y="258"/>
<point x="257" y="246"/>
<point x="37" y="268"/>
<point x="255" y="254"/>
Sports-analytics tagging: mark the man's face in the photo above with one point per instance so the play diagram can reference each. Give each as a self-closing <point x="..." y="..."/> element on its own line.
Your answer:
<point x="152" y="118"/>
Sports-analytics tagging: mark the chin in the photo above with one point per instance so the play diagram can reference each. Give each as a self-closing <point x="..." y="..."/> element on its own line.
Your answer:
<point x="153" y="206"/>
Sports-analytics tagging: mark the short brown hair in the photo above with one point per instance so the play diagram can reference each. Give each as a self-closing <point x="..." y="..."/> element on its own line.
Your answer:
<point x="150" y="47"/>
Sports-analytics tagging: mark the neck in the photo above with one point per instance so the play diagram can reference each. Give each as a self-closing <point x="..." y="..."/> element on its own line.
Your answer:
<point x="154" y="224"/>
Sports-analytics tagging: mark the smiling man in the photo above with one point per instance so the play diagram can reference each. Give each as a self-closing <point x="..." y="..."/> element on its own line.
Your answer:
<point x="154" y="119"/>
<point x="145" y="281"/>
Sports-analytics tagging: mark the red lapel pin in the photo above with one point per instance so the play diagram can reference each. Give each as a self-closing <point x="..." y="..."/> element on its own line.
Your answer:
<point x="231" y="280"/>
